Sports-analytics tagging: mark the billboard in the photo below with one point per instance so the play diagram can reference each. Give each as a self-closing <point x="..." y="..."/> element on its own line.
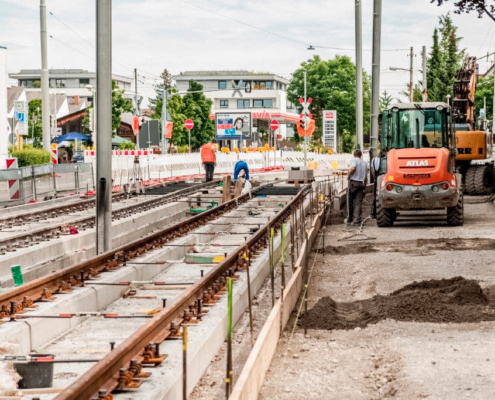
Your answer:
<point x="233" y="126"/>
<point x="330" y="129"/>
<point x="149" y="134"/>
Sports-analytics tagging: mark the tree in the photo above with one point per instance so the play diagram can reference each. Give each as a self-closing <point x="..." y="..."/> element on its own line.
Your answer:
<point x="119" y="106"/>
<point x="332" y="86"/>
<point x="445" y="60"/>
<point x="385" y="101"/>
<point x="194" y="106"/>
<point x="480" y="6"/>
<point x="484" y="89"/>
<point x="35" y="128"/>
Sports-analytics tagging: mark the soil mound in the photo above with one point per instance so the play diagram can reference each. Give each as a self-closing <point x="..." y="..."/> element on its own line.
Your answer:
<point x="446" y="300"/>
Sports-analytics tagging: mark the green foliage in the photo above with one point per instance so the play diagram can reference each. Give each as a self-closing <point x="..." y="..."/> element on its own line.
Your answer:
<point x="347" y="142"/>
<point x="37" y="132"/>
<point x="194" y="106"/>
<point x="485" y="89"/>
<point x="445" y="60"/>
<point x="385" y="101"/>
<point x="119" y="106"/>
<point x="37" y="84"/>
<point x="127" y="146"/>
<point x="332" y="86"/>
<point x="182" y="149"/>
<point x="30" y="156"/>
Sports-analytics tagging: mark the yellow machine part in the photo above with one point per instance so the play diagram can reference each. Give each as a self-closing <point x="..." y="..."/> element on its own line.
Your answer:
<point x="471" y="145"/>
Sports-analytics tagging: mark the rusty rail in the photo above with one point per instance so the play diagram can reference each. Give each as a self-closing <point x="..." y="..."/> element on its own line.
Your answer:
<point x="61" y="281"/>
<point x="109" y="373"/>
<point x="82" y="223"/>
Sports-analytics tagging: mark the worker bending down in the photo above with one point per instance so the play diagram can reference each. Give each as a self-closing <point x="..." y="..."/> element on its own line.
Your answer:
<point x="241" y="166"/>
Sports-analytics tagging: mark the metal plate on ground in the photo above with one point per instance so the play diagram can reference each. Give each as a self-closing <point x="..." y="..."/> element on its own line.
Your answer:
<point x="169" y="188"/>
<point x="278" y="191"/>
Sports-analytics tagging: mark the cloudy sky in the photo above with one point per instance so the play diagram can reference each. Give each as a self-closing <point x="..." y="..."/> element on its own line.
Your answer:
<point x="259" y="35"/>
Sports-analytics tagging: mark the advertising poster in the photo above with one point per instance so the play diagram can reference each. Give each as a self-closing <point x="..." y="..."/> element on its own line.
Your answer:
<point x="233" y="126"/>
<point x="330" y="129"/>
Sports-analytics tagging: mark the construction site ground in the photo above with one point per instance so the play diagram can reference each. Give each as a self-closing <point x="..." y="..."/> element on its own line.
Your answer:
<point x="371" y="336"/>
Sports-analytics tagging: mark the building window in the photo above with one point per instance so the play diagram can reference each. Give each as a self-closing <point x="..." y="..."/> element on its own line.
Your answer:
<point x="268" y="85"/>
<point x="222" y="84"/>
<point x="262" y="85"/>
<point x="83" y="82"/>
<point x="263" y="103"/>
<point x="224" y="104"/>
<point x="57" y="83"/>
<point x="268" y="103"/>
<point x="243" y="104"/>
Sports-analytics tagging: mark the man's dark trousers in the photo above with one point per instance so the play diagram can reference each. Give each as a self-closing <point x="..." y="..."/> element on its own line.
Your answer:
<point x="209" y="168"/>
<point x="355" y="201"/>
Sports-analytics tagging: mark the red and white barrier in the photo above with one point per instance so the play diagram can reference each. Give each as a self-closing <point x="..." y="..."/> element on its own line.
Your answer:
<point x="14" y="186"/>
<point x="54" y="156"/>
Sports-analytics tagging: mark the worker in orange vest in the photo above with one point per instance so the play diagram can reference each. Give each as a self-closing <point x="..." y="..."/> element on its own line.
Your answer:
<point x="209" y="160"/>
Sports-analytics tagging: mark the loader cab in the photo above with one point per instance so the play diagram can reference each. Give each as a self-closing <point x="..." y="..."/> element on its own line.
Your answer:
<point x="416" y="126"/>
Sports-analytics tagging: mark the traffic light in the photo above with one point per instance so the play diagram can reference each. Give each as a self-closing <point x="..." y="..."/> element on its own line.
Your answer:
<point x="91" y="120"/>
<point x="303" y="124"/>
<point x="53" y="122"/>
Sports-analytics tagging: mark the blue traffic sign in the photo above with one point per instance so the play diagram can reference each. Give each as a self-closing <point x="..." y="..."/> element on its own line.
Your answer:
<point x="21" y="117"/>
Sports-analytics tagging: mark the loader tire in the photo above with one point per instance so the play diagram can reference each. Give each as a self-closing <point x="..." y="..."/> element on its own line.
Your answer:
<point x="470" y="180"/>
<point x="479" y="180"/>
<point x="385" y="217"/>
<point x="455" y="215"/>
<point x="484" y="179"/>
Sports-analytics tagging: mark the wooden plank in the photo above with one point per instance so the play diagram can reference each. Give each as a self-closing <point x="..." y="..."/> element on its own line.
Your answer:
<point x="238" y="189"/>
<point x="227" y="181"/>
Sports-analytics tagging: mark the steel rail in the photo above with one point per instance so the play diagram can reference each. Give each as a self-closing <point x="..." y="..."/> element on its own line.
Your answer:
<point x="43" y="289"/>
<point x="107" y="373"/>
<point x="35" y="236"/>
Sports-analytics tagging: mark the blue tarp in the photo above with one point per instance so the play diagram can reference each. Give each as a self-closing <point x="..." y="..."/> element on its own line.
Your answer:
<point x="73" y="136"/>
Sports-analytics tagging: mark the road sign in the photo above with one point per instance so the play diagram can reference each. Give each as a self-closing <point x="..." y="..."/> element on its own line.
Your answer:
<point x="237" y="88"/>
<point x="189" y="124"/>
<point x="21" y="106"/>
<point x="274" y="125"/>
<point x="21" y="109"/>
<point x="330" y="129"/>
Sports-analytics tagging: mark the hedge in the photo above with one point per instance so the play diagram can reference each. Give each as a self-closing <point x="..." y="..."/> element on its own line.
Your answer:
<point x="31" y="156"/>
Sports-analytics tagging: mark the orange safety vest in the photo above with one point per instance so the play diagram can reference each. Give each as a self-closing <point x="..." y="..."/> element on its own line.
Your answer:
<point x="208" y="153"/>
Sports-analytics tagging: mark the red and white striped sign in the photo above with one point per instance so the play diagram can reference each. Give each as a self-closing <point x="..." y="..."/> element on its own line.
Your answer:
<point x="14" y="192"/>
<point x="54" y="156"/>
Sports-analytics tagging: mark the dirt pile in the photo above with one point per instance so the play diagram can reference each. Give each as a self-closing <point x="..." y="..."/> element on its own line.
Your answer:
<point x="447" y="300"/>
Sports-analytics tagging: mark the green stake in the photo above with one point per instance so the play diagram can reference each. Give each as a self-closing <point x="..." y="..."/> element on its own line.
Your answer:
<point x="17" y="275"/>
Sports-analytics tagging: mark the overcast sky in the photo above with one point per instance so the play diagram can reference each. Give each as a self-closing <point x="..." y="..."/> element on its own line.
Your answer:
<point x="191" y="35"/>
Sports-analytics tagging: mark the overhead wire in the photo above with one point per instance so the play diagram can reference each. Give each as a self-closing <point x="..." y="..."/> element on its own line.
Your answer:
<point x="277" y="34"/>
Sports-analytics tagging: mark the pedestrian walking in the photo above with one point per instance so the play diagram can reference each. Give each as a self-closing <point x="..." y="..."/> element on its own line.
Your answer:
<point x="209" y="160"/>
<point x="355" y="192"/>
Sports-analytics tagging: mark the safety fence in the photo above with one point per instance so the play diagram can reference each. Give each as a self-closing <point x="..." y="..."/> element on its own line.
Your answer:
<point x="38" y="182"/>
<point x="127" y="168"/>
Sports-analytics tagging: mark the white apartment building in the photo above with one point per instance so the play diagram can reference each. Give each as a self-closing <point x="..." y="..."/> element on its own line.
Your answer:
<point x="267" y="100"/>
<point x="72" y="82"/>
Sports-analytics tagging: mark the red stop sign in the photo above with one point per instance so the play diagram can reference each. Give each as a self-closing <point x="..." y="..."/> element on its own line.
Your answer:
<point x="189" y="124"/>
<point x="274" y="125"/>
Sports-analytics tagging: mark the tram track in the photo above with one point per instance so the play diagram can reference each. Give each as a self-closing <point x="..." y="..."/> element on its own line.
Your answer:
<point x="120" y="366"/>
<point x="30" y="237"/>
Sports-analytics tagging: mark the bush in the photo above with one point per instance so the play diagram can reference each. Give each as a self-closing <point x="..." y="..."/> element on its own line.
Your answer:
<point x="31" y="156"/>
<point x="182" y="149"/>
<point x="127" y="146"/>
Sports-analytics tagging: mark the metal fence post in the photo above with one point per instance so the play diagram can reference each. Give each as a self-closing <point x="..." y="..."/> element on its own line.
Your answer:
<point x="93" y="176"/>
<point x="76" y="178"/>
<point x="33" y="183"/>
<point x="54" y="174"/>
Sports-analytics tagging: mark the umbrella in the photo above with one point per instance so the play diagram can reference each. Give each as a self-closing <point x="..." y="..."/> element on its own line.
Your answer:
<point x="65" y="143"/>
<point x="73" y="136"/>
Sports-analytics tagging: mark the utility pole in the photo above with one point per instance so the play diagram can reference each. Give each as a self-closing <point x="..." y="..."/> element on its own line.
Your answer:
<point x="359" y="75"/>
<point x="45" y="88"/>
<point x="375" y="76"/>
<point x="136" y="101"/>
<point x="411" y="77"/>
<point x="425" y="83"/>
<point x="4" y="136"/>
<point x="306" y="125"/>
<point x="103" y="125"/>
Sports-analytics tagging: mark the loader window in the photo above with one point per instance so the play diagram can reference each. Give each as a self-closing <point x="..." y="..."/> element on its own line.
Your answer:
<point x="414" y="129"/>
